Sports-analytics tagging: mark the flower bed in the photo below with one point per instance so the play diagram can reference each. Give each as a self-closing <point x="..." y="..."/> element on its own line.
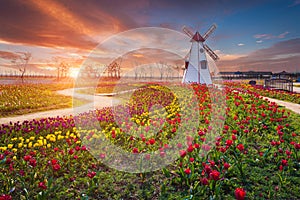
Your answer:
<point x="21" y="99"/>
<point x="255" y="155"/>
<point x="276" y="94"/>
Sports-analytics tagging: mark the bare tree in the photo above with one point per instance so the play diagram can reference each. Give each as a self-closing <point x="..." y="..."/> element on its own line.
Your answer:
<point x="136" y="70"/>
<point x="161" y="69"/>
<point x="21" y="62"/>
<point x="150" y="71"/>
<point x="57" y="63"/>
<point x="64" y="67"/>
<point x="178" y="68"/>
<point x="168" y="71"/>
<point x="142" y="72"/>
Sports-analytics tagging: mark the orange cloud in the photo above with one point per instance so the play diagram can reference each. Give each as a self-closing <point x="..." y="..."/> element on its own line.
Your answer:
<point x="63" y="24"/>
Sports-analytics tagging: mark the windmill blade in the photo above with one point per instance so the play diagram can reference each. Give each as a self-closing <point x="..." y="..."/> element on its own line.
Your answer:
<point x="210" y="52"/>
<point x="209" y="31"/>
<point x="188" y="31"/>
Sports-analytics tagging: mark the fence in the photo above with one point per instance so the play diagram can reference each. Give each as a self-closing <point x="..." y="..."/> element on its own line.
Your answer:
<point x="279" y="84"/>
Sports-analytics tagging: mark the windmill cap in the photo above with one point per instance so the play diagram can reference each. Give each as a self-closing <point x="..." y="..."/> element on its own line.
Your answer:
<point x="197" y="37"/>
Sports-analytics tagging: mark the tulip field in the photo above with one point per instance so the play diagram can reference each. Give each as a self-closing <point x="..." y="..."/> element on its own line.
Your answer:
<point x="22" y="99"/>
<point x="276" y="94"/>
<point x="225" y="143"/>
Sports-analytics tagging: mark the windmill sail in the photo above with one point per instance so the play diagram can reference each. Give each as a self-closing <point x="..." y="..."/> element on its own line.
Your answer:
<point x="210" y="30"/>
<point x="188" y="31"/>
<point x="210" y="52"/>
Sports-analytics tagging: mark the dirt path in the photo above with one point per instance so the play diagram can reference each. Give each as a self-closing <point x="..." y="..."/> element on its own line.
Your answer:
<point x="96" y="102"/>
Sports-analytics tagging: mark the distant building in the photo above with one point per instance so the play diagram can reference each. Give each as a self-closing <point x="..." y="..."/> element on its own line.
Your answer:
<point x="246" y="75"/>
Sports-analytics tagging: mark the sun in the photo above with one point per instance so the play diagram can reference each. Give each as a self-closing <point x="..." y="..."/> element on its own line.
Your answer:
<point x="74" y="72"/>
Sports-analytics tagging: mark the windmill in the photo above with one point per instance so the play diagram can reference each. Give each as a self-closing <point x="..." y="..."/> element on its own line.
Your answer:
<point x="196" y="65"/>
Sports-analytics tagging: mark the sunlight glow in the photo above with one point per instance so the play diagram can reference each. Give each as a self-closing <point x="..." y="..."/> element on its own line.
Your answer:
<point x="74" y="72"/>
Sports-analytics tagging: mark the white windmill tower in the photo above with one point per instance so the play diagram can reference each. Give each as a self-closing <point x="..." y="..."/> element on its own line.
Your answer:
<point x="196" y="65"/>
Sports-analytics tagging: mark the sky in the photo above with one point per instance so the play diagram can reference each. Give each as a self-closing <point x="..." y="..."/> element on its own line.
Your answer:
<point x="251" y="35"/>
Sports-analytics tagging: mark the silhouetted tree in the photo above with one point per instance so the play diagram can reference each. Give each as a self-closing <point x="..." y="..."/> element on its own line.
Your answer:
<point x="21" y="62"/>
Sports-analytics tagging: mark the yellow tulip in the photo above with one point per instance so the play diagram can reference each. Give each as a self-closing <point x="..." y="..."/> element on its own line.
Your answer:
<point x="32" y="138"/>
<point x="40" y="142"/>
<point x="3" y="148"/>
<point x="29" y="144"/>
<point x="20" y="145"/>
<point x="48" y="145"/>
<point x="59" y="137"/>
<point x="14" y="150"/>
<point x="10" y="146"/>
<point x="15" y="158"/>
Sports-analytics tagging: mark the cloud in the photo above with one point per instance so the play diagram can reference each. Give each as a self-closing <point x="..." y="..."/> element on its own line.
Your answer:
<point x="228" y="57"/>
<point x="259" y="41"/>
<point x="8" y="55"/>
<point x="270" y="36"/>
<point x="66" y="24"/>
<point x="282" y="55"/>
<point x="240" y="44"/>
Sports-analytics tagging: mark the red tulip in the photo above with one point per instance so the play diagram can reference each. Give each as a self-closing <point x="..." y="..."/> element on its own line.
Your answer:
<point x="240" y="147"/>
<point x="229" y="142"/>
<point x="233" y="137"/>
<point x="42" y="185"/>
<point x="162" y="154"/>
<point x="56" y="167"/>
<point x="32" y="162"/>
<point x="83" y="148"/>
<point x="147" y="156"/>
<point x="190" y="148"/>
<point x="240" y="193"/>
<point x="27" y="157"/>
<point x="226" y="165"/>
<point x="151" y="141"/>
<point x="91" y="174"/>
<point x="77" y="148"/>
<point x="280" y="167"/>
<point x="135" y="150"/>
<point x="71" y="151"/>
<point x="284" y="162"/>
<point x="182" y="153"/>
<point x="214" y="175"/>
<point x="187" y="171"/>
<point x="53" y="161"/>
<point x="204" y="181"/>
